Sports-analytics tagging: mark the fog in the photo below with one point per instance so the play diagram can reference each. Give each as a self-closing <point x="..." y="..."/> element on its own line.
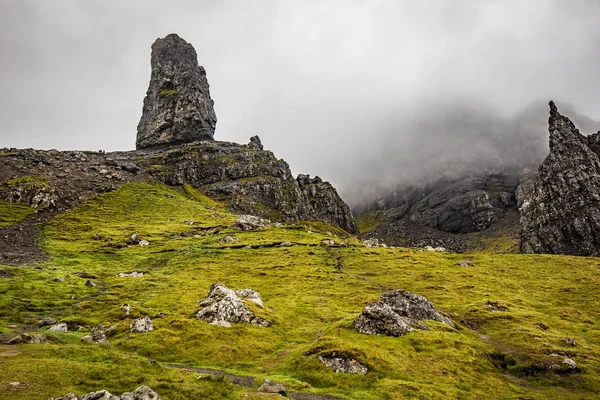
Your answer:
<point x="365" y="94"/>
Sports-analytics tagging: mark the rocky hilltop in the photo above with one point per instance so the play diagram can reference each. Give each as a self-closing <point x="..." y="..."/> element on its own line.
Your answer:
<point x="561" y="215"/>
<point x="175" y="146"/>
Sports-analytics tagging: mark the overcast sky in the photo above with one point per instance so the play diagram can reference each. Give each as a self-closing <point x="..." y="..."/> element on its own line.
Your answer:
<point x="325" y="84"/>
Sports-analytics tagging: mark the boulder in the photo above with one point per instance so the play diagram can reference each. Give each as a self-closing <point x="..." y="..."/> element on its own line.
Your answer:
<point x="255" y="143"/>
<point x="379" y="318"/>
<point x="562" y="213"/>
<point x="224" y="304"/>
<point x="97" y="337"/>
<point x="141" y="393"/>
<point x="141" y="325"/>
<point x="62" y="328"/>
<point x="250" y="223"/>
<point x="413" y="306"/>
<point x="177" y="108"/>
<point x="342" y="364"/>
<point x="272" y="387"/>
<point x="34" y="338"/>
<point x="46" y="321"/>
<point x="397" y="313"/>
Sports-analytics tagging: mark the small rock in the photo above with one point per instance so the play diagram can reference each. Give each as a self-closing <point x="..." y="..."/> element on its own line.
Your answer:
<point x="228" y="240"/>
<point x="250" y="295"/>
<point x="570" y="342"/>
<point x="15" y="385"/>
<point x="570" y="363"/>
<point x="46" y="321"/>
<point x="126" y="308"/>
<point x="89" y="283"/>
<point x="97" y="337"/>
<point x="34" y="338"/>
<point x="141" y="325"/>
<point x="95" y="237"/>
<point x="134" y="239"/>
<point x="160" y="315"/>
<point x="250" y="222"/>
<point x="379" y="318"/>
<point x="255" y="143"/>
<point x="60" y="279"/>
<point x="141" y="393"/>
<point x="144" y="243"/>
<point x="285" y="244"/>
<point x="272" y="387"/>
<point x="343" y="365"/>
<point x="62" y="328"/>
<point x="328" y="242"/>
<point x="189" y="222"/>
<point x="133" y="274"/>
<point x="221" y="323"/>
<point x="436" y="249"/>
<point x="224" y="304"/>
<point x="465" y="263"/>
<point x="371" y="243"/>
<point x="494" y="306"/>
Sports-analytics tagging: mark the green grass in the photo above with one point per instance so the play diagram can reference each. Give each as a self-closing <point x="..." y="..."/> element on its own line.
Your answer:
<point x="13" y="213"/>
<point x="312" y="293"/>
<point x="368" y="221"/>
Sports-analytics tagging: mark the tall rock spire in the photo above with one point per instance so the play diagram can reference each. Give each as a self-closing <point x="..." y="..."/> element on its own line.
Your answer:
<point x="562" y="214"/>
<point x="177" y="108"/>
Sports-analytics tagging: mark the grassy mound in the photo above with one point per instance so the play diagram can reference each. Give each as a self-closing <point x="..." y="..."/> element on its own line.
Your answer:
<point x="514" y="313"/>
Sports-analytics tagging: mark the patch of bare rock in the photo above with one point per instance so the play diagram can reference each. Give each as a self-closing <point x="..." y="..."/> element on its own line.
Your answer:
<point x="141" y="393"/>
<point x="224" y="306"/>
<point x="397" y="313"/>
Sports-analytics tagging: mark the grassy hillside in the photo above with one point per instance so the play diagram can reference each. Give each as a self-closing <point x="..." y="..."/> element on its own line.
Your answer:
<point x="513" y="312"/>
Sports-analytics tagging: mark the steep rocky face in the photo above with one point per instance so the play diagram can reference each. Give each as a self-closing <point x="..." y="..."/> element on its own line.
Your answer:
<point x="177" y="108"/>
<point x="562" y="213"/>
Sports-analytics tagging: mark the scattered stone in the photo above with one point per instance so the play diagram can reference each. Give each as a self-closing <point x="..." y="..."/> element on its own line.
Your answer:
<point x="4" y="273"/>
<point x="134" y="239"/>
<point x="141" y="325"/>
<point x="494" y="306"/>
<point x="285" y="244"/>
<point x="60" y="279"/>
<point x="224" y="304"/>
<point x="46" y="321"/>
<point x="250" y="223"/>
<point x="126" y="309"/>
<point x="465" y="263"/>
<point x="221" y="323"/>
<point x="371" y="242"/>
<point x="15" y="385"/>
<point x="328" y="242"/>
<point x="342" y="364"/>
<point x="144" y="243"/>
<point x="189" y="222"/>
<point x="89" y="283"/>
<point x="95" y="236"/>
<point x="62" y="328"/>
<point x="397" y="312"/>
<point x="569" y="363"/>
<point x="177" y="108"/>
<point x="133" y="274"/>
<point x="141" y="393"/>
<point x="97" y="337"/>
<point x="228" y="240"/>
<point x="159" y="315"/>
<point x="436" y="249"/>
<point x="34" y="338"/>
<point x="570" y="342"/>
<point x="272" y="387"/>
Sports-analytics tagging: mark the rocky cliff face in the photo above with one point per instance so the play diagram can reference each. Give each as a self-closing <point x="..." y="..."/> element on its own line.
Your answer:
<point x="177" y="108"/>
<point x="561" y="215"/>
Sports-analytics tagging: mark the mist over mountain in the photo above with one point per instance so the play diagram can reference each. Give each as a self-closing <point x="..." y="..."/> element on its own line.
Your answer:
<point x="454" y="139"/>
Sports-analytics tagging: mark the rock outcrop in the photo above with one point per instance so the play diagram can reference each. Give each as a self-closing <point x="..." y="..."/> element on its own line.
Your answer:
<point x="341" y="364"/>
<point x="562" y="213"/>
<point x="141" y="393"/>
<point x="396" y="313"/>
<point x="177" y="108"/>
<point x="224" y="306"/>
<point x="141" y="325"/>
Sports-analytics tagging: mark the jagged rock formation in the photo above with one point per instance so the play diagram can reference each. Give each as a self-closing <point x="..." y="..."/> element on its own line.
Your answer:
<point x="562" y="213"/>
<point x="141" y="393"/>
<point x="177" y="108"/>
<point x="396" y="313"/>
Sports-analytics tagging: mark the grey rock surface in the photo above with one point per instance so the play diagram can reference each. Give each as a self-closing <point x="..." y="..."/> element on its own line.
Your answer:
<point x="62" y="328"/>
<point x="35" y="338"/>
<point x="224" y="304"/>
<point x="396" y="313"/>
<point x="343" y="364"/>
<point x="141" y="325"/>
<point x="562" y="214"/>
<point x="177" y="107"/>
<point x="272" y="387"/>
<point x="141" y="393"/>
<point x="97" y="337"/>
<point x="250" y="222"/>
<point x="46" y="321"/>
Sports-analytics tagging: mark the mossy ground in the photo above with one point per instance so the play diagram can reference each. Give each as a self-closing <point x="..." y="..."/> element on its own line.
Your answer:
<point x="312" y="293"/>
<point x="13" y="213"/>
